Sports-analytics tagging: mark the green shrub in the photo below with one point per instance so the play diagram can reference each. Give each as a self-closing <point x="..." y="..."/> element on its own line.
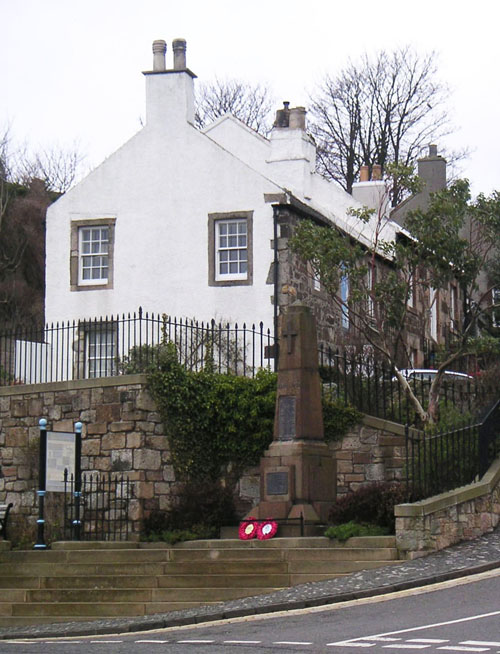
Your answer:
<point x="373" y="504"/>
<point x="217" y="424"/>
<point x="174" y="536"/>
<point x="338" y="418"/>
<point x="201" y="507"/>
<point x="353" y="529"/>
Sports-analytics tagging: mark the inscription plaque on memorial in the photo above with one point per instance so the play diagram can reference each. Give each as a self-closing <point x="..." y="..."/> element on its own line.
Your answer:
<point x="286" y="418"/>
<point x="277" y="483"/>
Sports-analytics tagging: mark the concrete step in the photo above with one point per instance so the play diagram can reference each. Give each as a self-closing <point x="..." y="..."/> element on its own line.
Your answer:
<point x="135" y="595"/>
<point x="99" y="582"/>
<point x="223" y="581"/>
<point x="225" y="567"/>
<point x="83" y="581"/>
<point x="65" y="570"/>
<point x="234" y="554"/>
<point x="88" y="556"/>
<point x="343" y="554"/>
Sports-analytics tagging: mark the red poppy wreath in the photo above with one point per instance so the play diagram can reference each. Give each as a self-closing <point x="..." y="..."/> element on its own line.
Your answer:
<point x="267" y="529"/>
<point x="248" y="529"/>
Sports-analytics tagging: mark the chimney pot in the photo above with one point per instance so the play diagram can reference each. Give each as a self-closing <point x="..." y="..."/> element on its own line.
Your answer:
<point x="159" y="50"/>
<point x="297" y="118"/>
<point x="376" y="172"/>
<point x="283" y="116"/>
<point x="433" y="150"/>
<point x="364" y="175"/>
<point x="179" y="48"/>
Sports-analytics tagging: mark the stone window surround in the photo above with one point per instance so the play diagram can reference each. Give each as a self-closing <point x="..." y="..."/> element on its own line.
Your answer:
<point x="231" y="215"/>
<point x="74" y="253"/>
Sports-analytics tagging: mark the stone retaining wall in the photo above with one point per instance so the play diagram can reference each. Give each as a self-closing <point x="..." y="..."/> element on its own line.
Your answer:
<point x="438" y="522"/>
<point x="122" y="433"/>
<point x="372" y="451"/>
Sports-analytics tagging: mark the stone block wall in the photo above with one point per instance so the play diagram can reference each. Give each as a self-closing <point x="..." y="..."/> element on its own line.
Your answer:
<point x="372" y="451"/>
<point x="438" y="522"/>
<point x="122" y="433"/>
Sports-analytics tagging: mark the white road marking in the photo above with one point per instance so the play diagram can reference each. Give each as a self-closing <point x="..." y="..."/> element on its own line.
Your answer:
<point x="96" y="642"/>
<point x="151" y="641"/>
<point x="382" y="639"/>
<point x="242" y="642"/>
<point x="200" y="642"/>
<point x="407" y="646"/>
<point x="431" y="641"/>
<point x="481" y="642"/>
<point x="436" y="624"/>
<point x="350" y="643"/>
<point x="457" y="648"/>
<point x="291" y="642"/>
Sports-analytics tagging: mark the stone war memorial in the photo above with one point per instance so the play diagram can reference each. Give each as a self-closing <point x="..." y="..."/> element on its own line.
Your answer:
<point x="298" y="470"/>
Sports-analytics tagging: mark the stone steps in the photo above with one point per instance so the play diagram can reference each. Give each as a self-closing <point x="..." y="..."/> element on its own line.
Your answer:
<point x="85" y="581"/>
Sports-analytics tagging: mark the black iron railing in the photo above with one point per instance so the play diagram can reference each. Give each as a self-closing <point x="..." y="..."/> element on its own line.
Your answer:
<point x="115" y="345"/>
<point x="372" y="387"/>
<point x="440" y="461"/>
<point x="100" y="511"/>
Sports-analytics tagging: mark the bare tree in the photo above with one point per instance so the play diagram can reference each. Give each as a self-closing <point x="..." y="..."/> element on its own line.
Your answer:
<point x="58" y="167"/>
<point x="251" y="104"/>
<point x="383" y="109"/>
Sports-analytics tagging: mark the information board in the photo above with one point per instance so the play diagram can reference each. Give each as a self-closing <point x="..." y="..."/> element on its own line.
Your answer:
<point x="60" y="455"/>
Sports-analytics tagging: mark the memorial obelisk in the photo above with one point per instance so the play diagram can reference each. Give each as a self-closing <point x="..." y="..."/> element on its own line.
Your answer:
<point x="298" y="471"/>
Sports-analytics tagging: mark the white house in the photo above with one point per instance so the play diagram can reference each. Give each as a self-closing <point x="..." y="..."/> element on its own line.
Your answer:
<point x="186" y="221"/>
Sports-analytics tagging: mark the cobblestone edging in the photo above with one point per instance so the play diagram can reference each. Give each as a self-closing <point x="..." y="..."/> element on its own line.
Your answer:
<point x="441" y="521"/>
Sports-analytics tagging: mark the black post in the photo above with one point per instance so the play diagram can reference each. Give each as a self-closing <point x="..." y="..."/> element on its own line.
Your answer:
<point x="77" y="523"/>
<point x="42" y="463"/>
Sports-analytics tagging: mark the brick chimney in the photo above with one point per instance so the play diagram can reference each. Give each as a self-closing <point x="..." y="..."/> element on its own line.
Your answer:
<point x="169" y="92"/>
<point x="371" y="192"/>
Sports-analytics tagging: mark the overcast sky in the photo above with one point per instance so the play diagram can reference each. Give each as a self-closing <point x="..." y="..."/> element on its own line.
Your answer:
<point x="70" y="70"/>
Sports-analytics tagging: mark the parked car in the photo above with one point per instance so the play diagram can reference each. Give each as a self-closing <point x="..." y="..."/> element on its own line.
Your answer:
<point x="428" y="374"/>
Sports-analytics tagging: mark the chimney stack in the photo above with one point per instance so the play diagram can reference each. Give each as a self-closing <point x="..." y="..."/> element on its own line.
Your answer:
<point x="169" y="93"/>
<point x="159" y="50"/>
<point x="179" y="48"/>
<point x="297" y="118"/>
<point x="364" y="174"/>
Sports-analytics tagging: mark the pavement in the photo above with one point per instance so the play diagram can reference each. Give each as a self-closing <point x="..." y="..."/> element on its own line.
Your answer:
<point x="464" y="559"/>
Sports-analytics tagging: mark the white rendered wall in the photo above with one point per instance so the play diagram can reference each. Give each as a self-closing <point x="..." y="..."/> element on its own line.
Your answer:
<point x="160" y="187"/>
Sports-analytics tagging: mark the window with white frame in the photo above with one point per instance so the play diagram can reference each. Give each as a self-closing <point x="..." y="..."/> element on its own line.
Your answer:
<point x="93" y="249"/>
<point x="91" y="258"/>
<point x="370" y="281"/>
<point x="100" y="345"/>
<point x="433" y="318"/>
<point x="230" y="248"/>
<point x="453" y="306"/>
<point x="344" y="298"/>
